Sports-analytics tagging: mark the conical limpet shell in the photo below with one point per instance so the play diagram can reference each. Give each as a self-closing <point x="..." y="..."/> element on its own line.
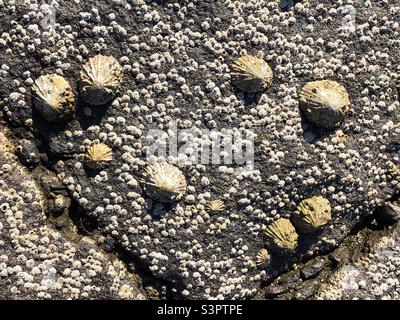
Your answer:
<point x="251" y="74"/>
<point x="312" y="214"/>
<point x="324" y="103"/>
<point x="98" y="155"/>
<point x="53" y="97"/>
<point x="164" y="182"/>
<point x="101" y="78"/>
<point x="281" y="236"/>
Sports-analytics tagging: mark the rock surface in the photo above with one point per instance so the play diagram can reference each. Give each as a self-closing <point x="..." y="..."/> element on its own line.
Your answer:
<point x="37" y="262"/>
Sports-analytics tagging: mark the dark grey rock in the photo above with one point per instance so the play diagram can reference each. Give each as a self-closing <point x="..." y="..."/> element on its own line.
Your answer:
<point x="176" y="246"/>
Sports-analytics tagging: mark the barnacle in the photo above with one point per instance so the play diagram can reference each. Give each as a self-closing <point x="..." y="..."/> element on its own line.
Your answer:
<point x="215" y="205"/>
<point x="281" y="236"/>
<point x="98" y="155"/>
<point x="101" y="78"/>
<point x="251" y="74"/>
<point x="164" y="182"/>
<point x="262" y="257"/>
<point x="312" y="214"/>
<point x="53" y="97"/>
<point x="324" y="103"/>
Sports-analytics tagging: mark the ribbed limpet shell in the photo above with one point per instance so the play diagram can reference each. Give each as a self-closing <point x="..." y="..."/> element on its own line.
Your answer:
<point x="281" y="236"/>
<point x="215" y="205"/>
<point x="312" y="214"/>
<point x="262" y="257"/>
<point x="53" y="97"/>
<point x="101" y="78"/>
<point x="251" y="74"/>
<point x="324" y="103"/>
<point x="98" y="156"/>
<point x="164" y="182"/>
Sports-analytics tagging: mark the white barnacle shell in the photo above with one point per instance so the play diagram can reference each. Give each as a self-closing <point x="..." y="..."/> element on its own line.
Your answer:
<point x="164" y="182"/>
<point x="324" y="103"/>
<point x="101" y="78"/>
<point x="281" y="236"/>
<point x="98" y="156"/>
<point x="53" y="97"/>
<point x="251" y="74"/>
<point x="312" y="214"/>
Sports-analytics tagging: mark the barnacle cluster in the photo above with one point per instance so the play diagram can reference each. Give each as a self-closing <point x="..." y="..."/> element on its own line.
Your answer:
<point x="100" y="80"/>
<point x="164" y="182"/>
<point x="98" y="155"/>
<point x="251" y="74"/>
<point x="53" y="97"/>
<point x="312" y="214"/>
<point x="281" y="236"/>
<point x="324" y="103"/>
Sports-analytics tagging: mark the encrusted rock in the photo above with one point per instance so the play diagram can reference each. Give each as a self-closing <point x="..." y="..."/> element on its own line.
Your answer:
<point x="101" y="78"/>
<point x="215" y="205"/>
<point x="281" y="236"/>
<point x="324" y="103"/>
<point x="312" y="214"/>
<point x="59" y="204"/>
<point x="164" y="182"/>
<point x="251" y="74"/>
<point x="98" y="155"/>
<point x="53" y="97"/>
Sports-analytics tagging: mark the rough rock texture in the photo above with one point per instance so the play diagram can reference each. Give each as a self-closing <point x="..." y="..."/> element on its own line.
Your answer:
<point x="37" y="262"/>
<point x="176" y="57"/>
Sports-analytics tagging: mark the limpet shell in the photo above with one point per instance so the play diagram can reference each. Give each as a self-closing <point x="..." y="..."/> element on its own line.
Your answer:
<point x="98" y="155"/>
<point x="101" y="78"/>
<point x="164" y="182"/>
<point x="324" y="103"/>
<point x="312" y="214"/>
<point x="281" y="236"/>
<point x="251" y="74"/>
<point x="53" y="97"/>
